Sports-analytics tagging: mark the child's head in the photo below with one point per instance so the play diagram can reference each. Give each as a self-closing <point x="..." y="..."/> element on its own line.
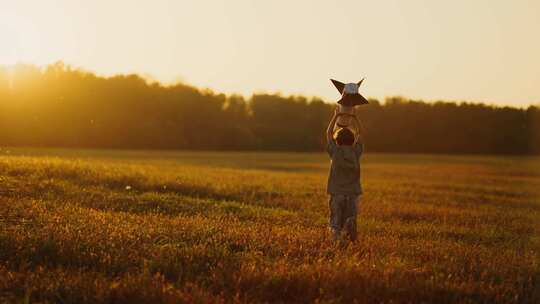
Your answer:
<point x="344" y="137"/>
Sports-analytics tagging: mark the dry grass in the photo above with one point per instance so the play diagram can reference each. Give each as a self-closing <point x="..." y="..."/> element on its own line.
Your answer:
<point x="95" y="226"/>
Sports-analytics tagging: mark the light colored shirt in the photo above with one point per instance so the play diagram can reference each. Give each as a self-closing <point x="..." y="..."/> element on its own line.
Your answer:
<point x="344" y="176"/>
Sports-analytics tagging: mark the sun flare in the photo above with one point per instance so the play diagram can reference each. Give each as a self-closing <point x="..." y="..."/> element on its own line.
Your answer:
<point x="19" y="40"/>
<point x="8" y="47"/>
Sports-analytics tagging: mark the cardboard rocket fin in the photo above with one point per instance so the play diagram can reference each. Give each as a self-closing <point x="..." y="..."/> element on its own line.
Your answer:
<point x="339" y="85"/>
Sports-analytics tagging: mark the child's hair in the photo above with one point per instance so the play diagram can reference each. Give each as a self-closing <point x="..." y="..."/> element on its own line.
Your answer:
<point x="344" y="137"/>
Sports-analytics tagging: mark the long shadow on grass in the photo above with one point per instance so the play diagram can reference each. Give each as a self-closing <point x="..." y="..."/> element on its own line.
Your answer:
<point x="36" y="182"/>
<point x="137" y="202"/>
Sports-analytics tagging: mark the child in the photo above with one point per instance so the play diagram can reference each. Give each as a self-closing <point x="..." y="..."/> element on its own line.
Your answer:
<point x="344" y="179"/>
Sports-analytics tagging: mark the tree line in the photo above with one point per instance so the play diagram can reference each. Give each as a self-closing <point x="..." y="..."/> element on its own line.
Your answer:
<point x="65" y="107"/>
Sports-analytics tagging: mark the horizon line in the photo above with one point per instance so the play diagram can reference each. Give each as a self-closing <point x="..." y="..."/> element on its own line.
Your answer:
<point x="150" y="80"/>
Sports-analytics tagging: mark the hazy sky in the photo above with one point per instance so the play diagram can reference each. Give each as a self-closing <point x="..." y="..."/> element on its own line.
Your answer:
<point x="476" y="50"/>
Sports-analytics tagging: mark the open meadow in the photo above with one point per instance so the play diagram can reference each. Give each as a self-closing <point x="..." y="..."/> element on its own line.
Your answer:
<point x="104" y="226"/>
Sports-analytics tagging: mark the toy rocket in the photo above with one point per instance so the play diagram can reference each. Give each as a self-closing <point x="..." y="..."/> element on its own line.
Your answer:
<point x="349" y="93"/>
<point x="349" y="99"/>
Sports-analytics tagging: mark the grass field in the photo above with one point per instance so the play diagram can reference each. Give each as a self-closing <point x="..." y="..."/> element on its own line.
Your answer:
<point x="95" y="226"/>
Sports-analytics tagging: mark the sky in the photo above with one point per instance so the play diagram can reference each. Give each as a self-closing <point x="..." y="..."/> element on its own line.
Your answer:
<point x="461" y="50"/>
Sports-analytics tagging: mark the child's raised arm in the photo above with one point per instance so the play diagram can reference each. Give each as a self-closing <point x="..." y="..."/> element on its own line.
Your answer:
<point x="358" y="137"/>
<point x="330" y="129"/>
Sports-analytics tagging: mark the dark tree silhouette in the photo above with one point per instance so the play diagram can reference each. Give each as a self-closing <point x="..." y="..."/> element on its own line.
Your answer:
<point x="65" y="107"/>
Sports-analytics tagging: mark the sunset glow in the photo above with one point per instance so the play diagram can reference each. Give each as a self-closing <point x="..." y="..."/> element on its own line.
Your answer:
<point x="461" y="50"/>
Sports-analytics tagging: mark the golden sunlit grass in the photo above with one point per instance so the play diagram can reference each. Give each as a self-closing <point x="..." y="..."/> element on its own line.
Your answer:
<point x="107" y="226"/>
